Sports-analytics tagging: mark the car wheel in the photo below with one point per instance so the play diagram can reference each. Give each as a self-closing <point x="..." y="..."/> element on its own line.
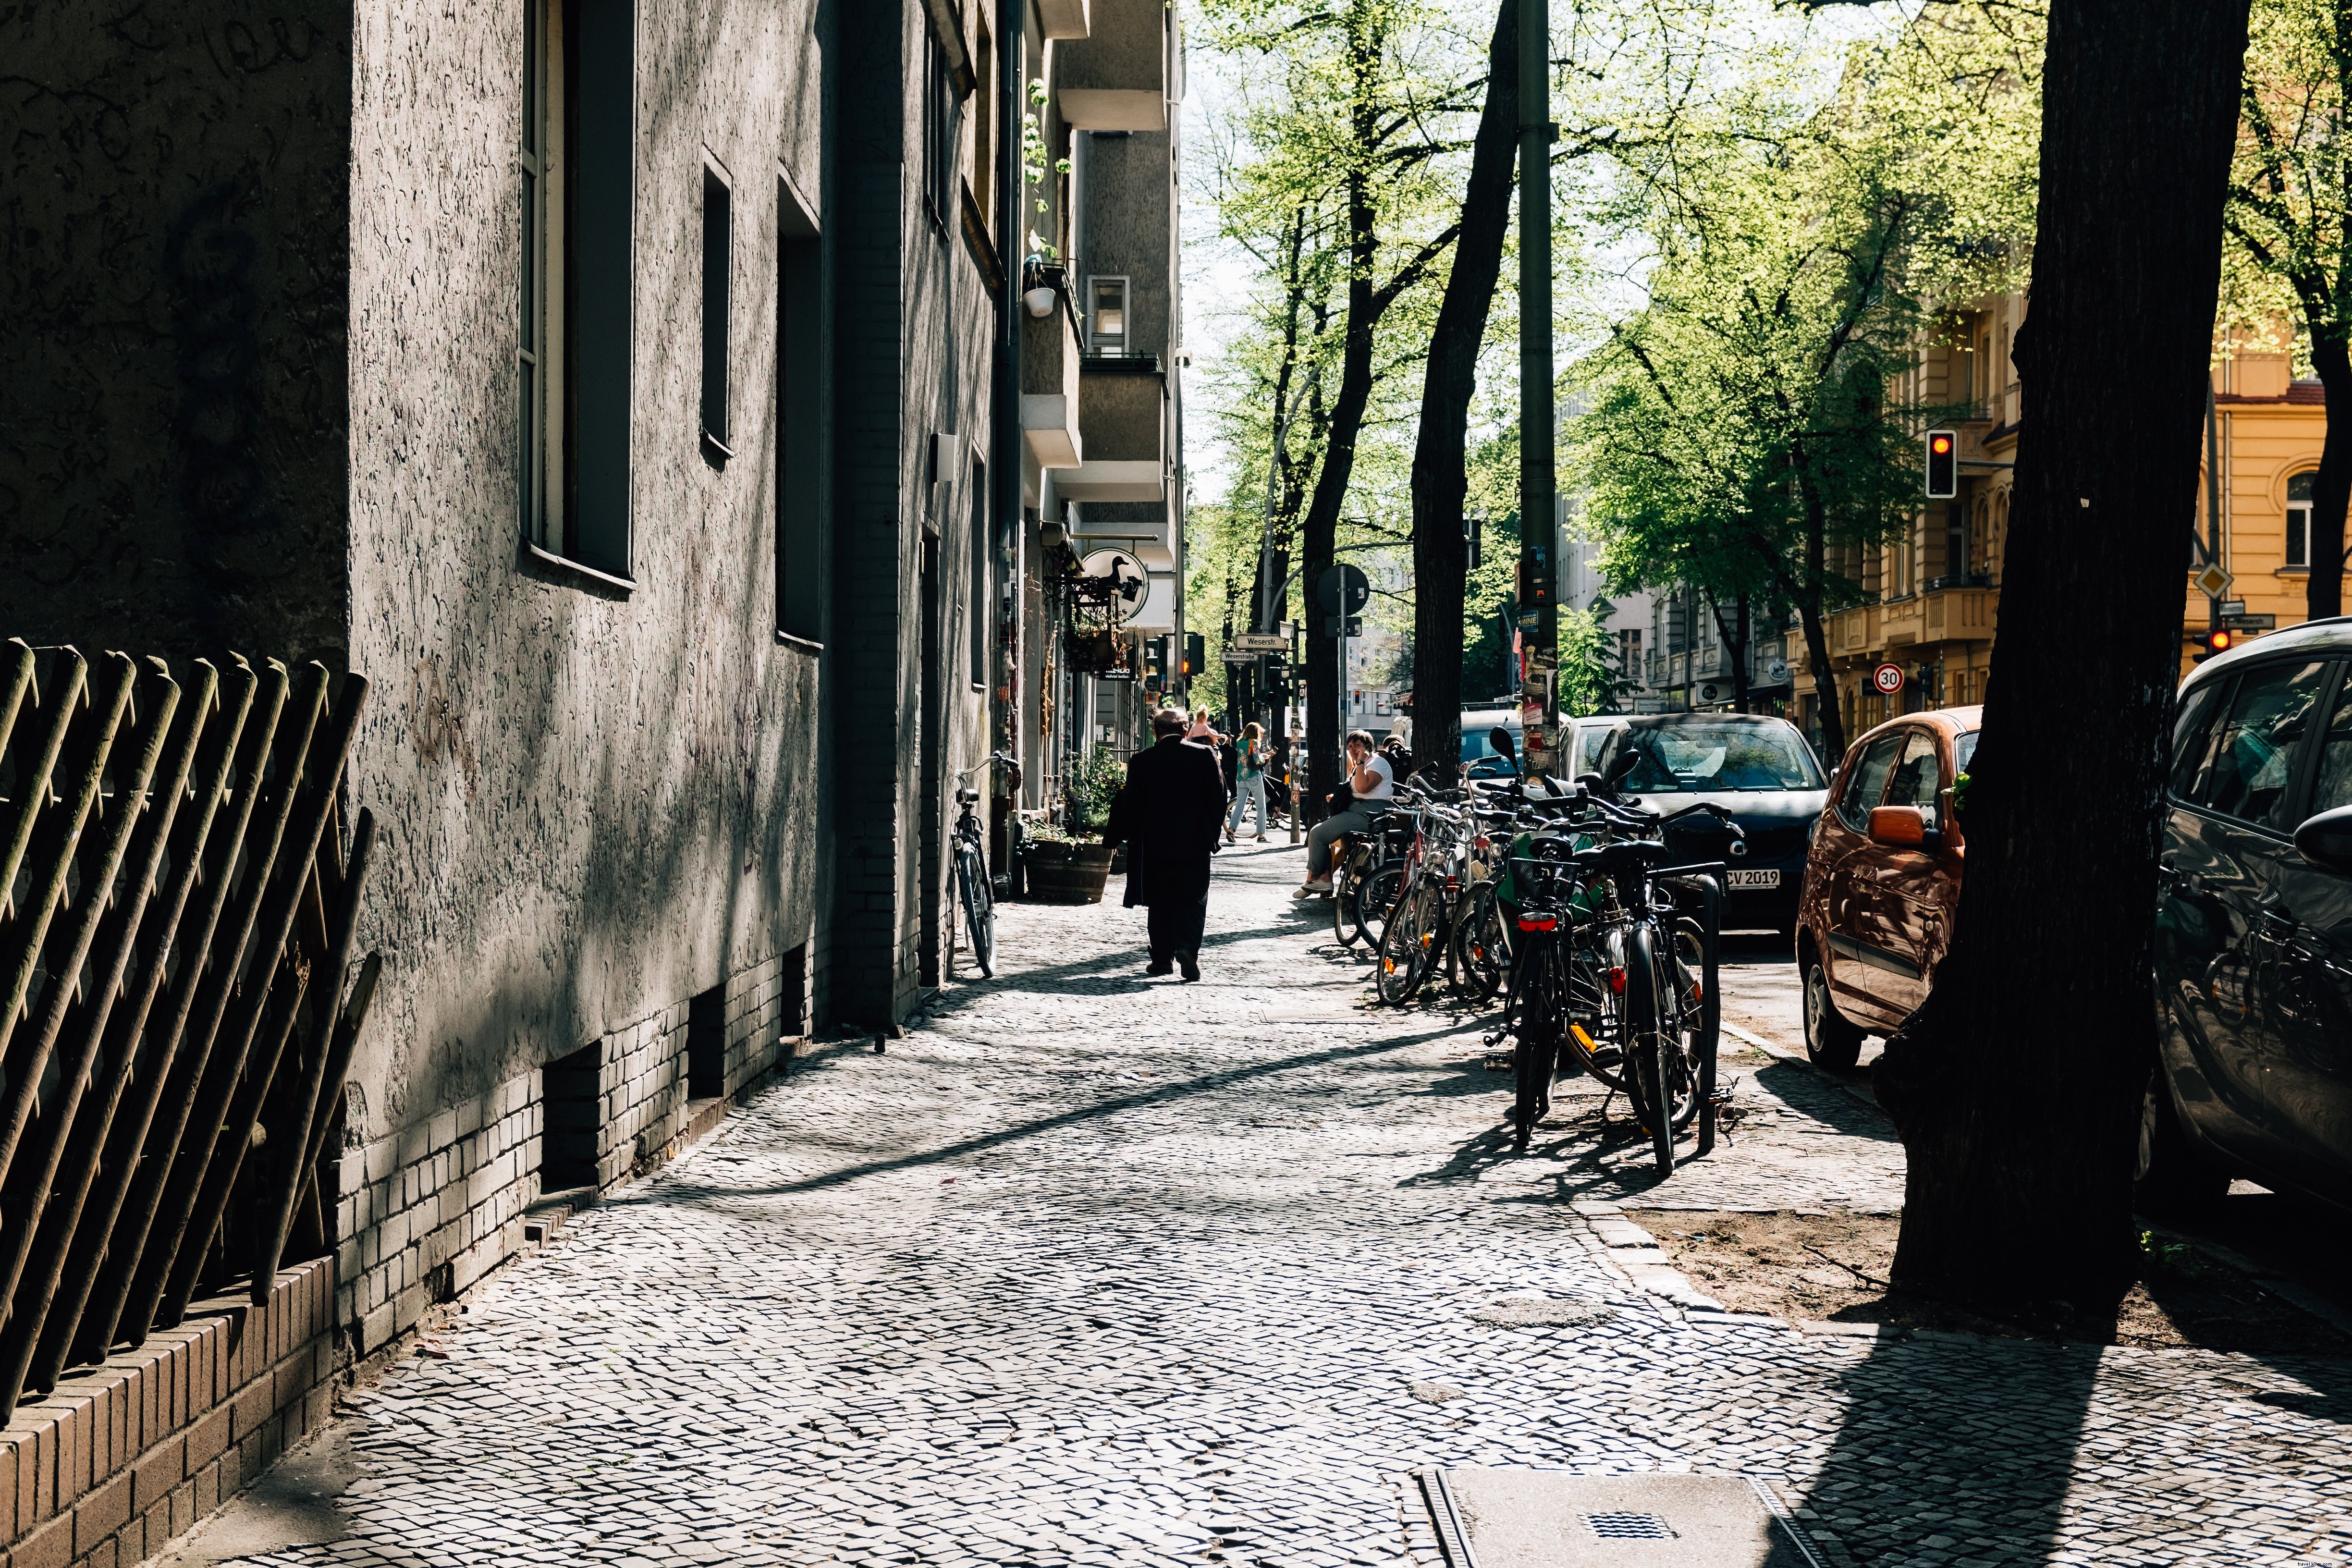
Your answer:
<point x="1831" y="1041"/>
<point x="2171" y="1176"/>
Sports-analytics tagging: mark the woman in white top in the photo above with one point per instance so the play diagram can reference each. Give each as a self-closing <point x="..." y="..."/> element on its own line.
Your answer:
<point x="1372" y="782"/>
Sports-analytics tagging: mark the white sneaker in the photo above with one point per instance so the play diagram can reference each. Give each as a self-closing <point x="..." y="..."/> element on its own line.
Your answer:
<point x="1313" y="890"/>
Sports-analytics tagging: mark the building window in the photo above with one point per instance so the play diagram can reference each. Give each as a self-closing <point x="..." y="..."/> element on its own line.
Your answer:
<point x="800" y="568"/>
<point x="2298" y="520"/>
<point x="577" y="160"/>
<point x="718" y="248"/>
<point x="1628" y="652"/>
<point x="1106" y="316"/>
<point x="982" y="177"/>
<point x="538" y="349"/>
<point x="942" y="132"/>
<point x="978" y="614"/>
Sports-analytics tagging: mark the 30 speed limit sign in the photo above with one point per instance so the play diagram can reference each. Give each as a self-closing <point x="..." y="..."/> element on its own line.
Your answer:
<point x="1887" y="677"/>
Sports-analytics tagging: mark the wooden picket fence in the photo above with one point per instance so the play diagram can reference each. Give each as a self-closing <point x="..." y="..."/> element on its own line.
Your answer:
<point x="177" y="909"/>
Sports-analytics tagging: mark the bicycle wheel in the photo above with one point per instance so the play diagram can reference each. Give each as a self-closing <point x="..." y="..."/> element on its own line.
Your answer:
<point x="1651" y="1042"/>
<point x="1404" y="948"/>
<point x="1592" y="1026"/>
<point x="1347" y="901"/>
<point x="1482" y="952"/>
<point x="1685" y="1019"/>
<point x="1378" y="898"/>
<point x="979" y="910"/>
<point x="1535" y="1045"/>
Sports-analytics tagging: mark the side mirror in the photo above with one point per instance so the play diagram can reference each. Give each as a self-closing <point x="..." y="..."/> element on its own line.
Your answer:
<point x="1900" y="826"/>
<point x="1500" y="740"/>
<point x="2326" y="839"/>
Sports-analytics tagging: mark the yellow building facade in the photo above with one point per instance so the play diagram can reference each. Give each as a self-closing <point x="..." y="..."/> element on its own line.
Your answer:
<point x="1931" y="597"/>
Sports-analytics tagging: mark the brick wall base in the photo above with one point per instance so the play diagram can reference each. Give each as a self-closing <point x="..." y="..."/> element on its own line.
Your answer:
<point x="123" y="1457"/>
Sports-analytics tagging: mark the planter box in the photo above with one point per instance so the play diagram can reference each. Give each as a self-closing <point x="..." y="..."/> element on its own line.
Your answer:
<point x="1066" y="873"/>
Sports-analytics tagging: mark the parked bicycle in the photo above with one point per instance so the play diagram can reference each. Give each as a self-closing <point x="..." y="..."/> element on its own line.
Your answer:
<point x="1364" y="885"/>
<point x="1615" y="976"/>
<point x="972" y="887"/>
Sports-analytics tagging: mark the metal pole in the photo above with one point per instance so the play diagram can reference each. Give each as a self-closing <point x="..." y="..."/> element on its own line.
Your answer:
<point x="2214" y="507"/>
<point x="1538" y="701"/>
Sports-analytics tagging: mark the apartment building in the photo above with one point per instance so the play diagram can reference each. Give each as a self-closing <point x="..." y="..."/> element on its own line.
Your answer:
<point x="689" y="419"/>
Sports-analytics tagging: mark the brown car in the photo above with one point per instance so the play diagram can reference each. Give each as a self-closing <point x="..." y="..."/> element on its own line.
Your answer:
<point x="1882" y="881"/>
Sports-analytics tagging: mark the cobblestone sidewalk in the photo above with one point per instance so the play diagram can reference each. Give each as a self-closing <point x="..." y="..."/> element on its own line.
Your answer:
<point x="1097" y="1270"/>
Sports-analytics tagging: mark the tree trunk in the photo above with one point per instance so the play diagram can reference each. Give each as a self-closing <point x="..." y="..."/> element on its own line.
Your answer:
<point x="1440" y="478"/>
<point x="2331" y="487"/>
<point x="1733" y="630"/>
<point x="2016" y="1087"/>
<point x="1825" y="693"/>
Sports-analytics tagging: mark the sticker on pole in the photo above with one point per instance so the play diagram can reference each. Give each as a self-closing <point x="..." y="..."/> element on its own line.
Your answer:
<point x="1888" y="678"/>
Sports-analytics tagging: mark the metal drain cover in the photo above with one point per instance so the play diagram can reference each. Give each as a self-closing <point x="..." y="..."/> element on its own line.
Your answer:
<point x="1551" y="1519"/>
<point x="1627" y="1526"/>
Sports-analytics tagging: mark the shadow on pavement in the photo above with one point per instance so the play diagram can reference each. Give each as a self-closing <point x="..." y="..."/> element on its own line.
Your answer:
<point x="668" y="1190"/>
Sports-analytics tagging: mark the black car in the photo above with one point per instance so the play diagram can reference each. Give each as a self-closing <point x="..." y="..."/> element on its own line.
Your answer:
<point x="2254" y="940"/>
<point x="1759" y="770"/>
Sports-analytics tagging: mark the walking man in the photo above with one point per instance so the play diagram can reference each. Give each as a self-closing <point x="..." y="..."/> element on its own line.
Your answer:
<point x="1370" y="779"/>
<point x="1168" y="817"/>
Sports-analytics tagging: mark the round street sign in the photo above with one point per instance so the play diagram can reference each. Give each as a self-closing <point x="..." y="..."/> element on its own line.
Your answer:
<point x="1343" y="589"/>
<point x="1134" y="582"/>
<point x="1887" y="677"/>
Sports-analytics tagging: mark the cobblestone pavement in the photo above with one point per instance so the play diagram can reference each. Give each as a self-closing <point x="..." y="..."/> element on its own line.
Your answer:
<point x="1094" y="1269"/>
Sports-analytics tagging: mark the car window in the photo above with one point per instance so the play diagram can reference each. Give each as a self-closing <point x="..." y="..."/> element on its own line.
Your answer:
<point x="2252" y="773"/>
<point x="2192" y="735"/>
<point x="1917" y="774"/>
<point x="1699" y="756"/>
<point x="1588" y="741"/>
<point x="2334" y="787"/>
<point x="1964" y="751"/>
<point x="1867" y="781"/>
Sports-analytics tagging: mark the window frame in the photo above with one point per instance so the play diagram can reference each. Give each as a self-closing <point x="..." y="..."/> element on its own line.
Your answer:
<point x="1894" y="739"/>
<point x="717" y="306"/>
<point x="1126" y="313"/>
<point x="801" y="445"/>
<point x="2296" y="551"/>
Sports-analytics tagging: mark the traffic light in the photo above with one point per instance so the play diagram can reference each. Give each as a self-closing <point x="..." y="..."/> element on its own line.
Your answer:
<point x="1943" y="465"/>
<point x="1274" y="676"/>
<point x="2213" y="642"/>
<point x="1195" y="654"/>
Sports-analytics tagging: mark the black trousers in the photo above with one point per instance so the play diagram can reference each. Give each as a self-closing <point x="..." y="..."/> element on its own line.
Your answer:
<point x="1176" y="928"/>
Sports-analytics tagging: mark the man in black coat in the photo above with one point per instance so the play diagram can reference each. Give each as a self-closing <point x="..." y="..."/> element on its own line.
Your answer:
<point x="1168" y="817"/>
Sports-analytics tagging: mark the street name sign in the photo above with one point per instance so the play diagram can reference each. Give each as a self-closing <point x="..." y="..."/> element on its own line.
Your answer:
<point x="1261" y="642"/>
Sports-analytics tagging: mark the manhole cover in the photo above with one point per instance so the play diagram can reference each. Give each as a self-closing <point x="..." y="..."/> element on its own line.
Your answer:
<point x="1552" y="1519"/>
<point x="1628" y="1527"/>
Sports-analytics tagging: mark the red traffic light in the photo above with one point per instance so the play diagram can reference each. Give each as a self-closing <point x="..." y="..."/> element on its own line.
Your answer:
<point x="1939" y="443"/>
<point x="2221" y="641"/>
<point x="1943" y="465"/>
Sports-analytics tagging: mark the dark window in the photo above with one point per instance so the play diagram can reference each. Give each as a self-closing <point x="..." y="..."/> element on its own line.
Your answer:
<point x="1918" y="776"/>
<point x="800" y="569"/>
<point x="943" y="126"/>
<point x="1866" y="784"/>
<point x="2298" y="520"/>
<point x="718" y="247"/>
<point x="2252" y="773"/>
<point x="1964" y="751"/>
<point x="980" y="611"/>
<point x="2192" y="732"/>
<point x="600" y="122"/>
<point x="2333" y="788"/>
<point x="532" y="160"/>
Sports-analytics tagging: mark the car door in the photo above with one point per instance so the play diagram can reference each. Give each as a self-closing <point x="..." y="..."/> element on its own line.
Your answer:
<point x="2222" y="849"/>
<point x="2303" y="978"/>
<point x="1855" y="933"/>
<point x="1905" y="904"/>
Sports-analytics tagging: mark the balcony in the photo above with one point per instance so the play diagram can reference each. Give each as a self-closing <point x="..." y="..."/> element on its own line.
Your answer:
<point x="1116" y="77"/>
<point x="1064" y="19"/>
<point x="1050" y="393"/>
<point x="1900" y="621"/>
<point x="1121" y="419"/>
<point x="1961" y="614"/>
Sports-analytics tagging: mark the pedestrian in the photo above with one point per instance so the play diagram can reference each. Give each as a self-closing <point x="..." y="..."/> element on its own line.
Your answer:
<point x="1249" y="780"/>
<point x="1166" y="816"/>
<point x="1401" y="727"/>
<point x="1202" y="732"/>
<point x="1369" y="779"/>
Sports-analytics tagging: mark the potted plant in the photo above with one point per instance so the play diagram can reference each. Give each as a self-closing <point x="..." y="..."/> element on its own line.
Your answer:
<point x="1067" y="864"/>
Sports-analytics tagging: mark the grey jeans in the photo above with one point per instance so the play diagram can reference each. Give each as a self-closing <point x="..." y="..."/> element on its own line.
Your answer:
<point x="1356" y="819"/>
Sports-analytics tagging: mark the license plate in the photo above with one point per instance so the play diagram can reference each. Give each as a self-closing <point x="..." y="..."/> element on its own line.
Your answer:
<point x="1755" y="879"/>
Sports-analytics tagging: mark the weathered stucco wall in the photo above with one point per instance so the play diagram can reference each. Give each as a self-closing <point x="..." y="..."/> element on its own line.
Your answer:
<point x="600" y="803"/>
<point x="172" y="411"/>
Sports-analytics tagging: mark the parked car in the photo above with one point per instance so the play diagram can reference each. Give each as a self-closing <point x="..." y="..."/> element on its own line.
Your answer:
<point x="1585" y="737"/>
<point x="1483" y="761"/>
<point x="2253" y="929"/>
<point x="1882" y="880"/>
<point x="1759" y="770"/>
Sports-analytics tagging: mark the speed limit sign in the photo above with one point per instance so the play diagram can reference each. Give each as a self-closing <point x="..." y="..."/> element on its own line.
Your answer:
<point x="1888" y="678"/>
